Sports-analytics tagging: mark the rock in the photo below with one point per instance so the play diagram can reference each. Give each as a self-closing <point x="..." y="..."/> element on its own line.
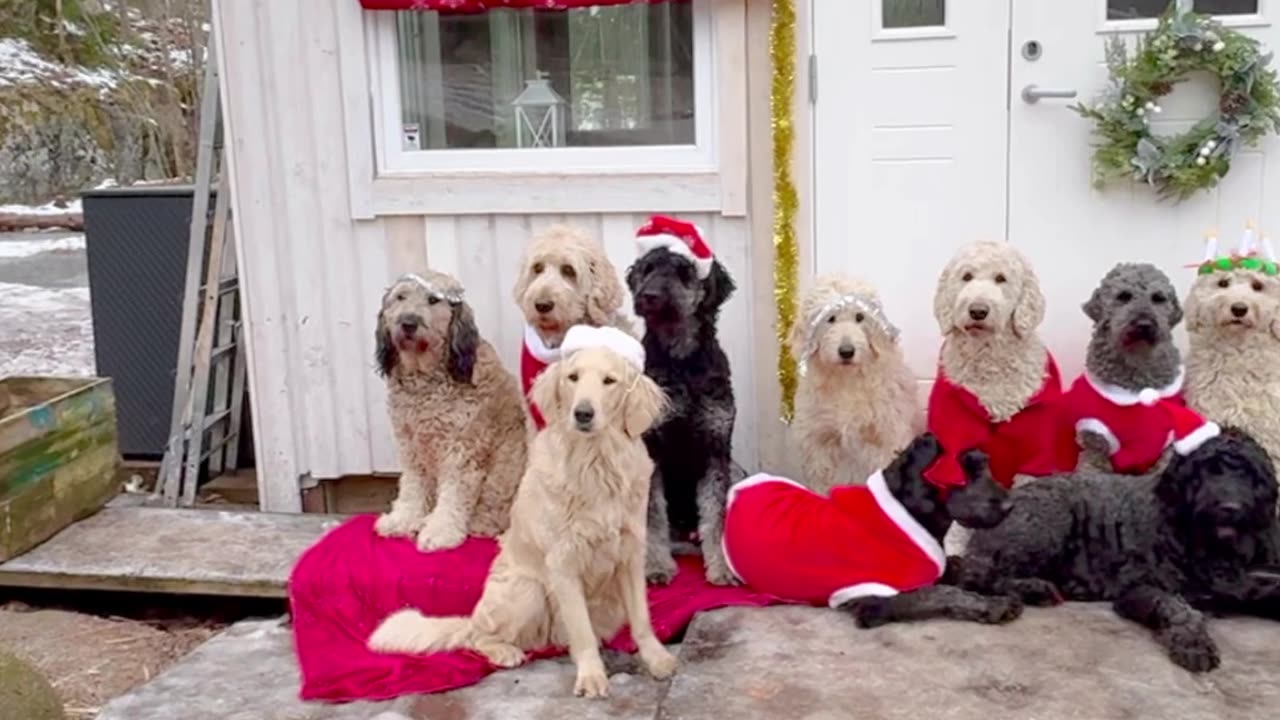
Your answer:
<point x="24" y="693"/>
<point x="1074" y="661"/>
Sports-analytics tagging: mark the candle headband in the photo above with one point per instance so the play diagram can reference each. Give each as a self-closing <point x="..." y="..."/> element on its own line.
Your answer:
<point x="868" y="305"/>
<point x="1249" y="255"/>
<point x="450" y="296"/>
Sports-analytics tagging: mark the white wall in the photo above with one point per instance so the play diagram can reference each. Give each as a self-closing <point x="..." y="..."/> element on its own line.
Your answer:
<point x="313" y="276"/>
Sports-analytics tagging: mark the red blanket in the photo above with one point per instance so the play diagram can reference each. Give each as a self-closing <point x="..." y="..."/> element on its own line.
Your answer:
<point x="345" y="584"/>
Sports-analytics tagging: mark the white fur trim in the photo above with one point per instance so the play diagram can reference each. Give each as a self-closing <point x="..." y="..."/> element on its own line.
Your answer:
<point x="1094" y="425"/>
<point x="1125" y="397"/>
<point x="1196" y="438"/>
<point x="675" y="245"/>
<point x="853" y="592"/>
<point x="901" y="517"/>
<point x="743" y="484"/>
<point x="581" y="337"/>
<point x="537" y="348"/>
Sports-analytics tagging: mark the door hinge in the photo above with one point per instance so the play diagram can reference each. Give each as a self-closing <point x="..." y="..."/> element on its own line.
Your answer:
<point x="813" y="79"/>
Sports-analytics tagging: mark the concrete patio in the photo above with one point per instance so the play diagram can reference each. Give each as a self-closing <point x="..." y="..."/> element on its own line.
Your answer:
<point x="1077" y="661"/>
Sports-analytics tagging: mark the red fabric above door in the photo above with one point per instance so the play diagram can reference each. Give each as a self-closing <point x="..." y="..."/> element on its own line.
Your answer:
<point x="478" y="6"/>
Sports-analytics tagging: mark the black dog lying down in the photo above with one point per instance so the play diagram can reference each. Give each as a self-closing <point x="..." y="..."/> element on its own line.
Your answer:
<point x="980" y="503"/>
<point x="1201" y="535"/>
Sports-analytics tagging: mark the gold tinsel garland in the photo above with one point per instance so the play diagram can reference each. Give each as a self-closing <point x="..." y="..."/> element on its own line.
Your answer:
<point x="786" y="255"/>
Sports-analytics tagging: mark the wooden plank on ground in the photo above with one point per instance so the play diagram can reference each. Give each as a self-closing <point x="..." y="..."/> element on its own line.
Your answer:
<point x="164" y="550"/>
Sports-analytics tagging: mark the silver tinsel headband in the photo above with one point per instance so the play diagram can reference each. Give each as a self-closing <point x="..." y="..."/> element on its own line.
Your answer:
<point x="449" y="296"/>
<point x="867" y="304"/>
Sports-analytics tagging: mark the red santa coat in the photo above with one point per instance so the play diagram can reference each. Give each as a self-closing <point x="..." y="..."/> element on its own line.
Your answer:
<point x="1136" y="429"/>
<point x="534" y="358"/>
<point x="785" y="540"/>
<point x="1026" y="443"/>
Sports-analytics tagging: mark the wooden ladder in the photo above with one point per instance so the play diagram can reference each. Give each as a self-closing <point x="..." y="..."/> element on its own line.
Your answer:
<point x="209" y="386"/>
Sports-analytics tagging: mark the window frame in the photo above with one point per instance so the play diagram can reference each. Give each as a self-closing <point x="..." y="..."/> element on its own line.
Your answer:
<point x="392" y="161"/>
<point x="1256" y="19"/>
<point x="917" y="32"/>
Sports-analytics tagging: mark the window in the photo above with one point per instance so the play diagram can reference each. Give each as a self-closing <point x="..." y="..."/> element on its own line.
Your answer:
<point x="1136" y="9"/>
<point x="1226" y="7"/>
<point x="589" y="88"/>
<point x="913" y="13"/>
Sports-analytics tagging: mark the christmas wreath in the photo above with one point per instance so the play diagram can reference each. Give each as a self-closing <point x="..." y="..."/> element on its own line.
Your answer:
<point x="1182" y="43"/>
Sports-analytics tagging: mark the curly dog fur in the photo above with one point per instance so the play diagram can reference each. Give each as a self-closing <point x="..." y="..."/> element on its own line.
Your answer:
<point x="1134" y="311"/>
<point x="566" y="279"/>
<point x="571" y="568"/>
<point x="1233" y="367"/>
<point x="1157" y="546"/>
<point x="856" y="405"/>
<point x="980" y="503"/>
<point x="691" y="446"/>
<point x="988" y="305"/>
<point x="457" y="414"/>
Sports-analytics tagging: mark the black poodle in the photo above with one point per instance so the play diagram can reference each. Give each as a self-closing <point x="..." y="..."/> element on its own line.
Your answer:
<point x="1201" y="535"/>
<point x="691" y="446"/>
<point x="980" y="503"/>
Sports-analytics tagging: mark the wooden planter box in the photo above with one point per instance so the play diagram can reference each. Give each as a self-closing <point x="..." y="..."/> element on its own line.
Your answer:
<point x="58" y="456"/>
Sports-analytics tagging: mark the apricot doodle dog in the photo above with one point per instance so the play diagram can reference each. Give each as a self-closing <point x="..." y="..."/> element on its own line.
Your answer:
<point x="458" y="416"/>
<point x="570" y="571"/>
<point x="565" y="279"/>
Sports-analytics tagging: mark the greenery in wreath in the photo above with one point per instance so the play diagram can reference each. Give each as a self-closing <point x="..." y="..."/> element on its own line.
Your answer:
<point x="1177" y="166"/>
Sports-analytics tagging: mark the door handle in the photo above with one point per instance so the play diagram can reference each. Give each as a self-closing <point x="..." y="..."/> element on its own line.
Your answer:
<point x="1033" y="94"/>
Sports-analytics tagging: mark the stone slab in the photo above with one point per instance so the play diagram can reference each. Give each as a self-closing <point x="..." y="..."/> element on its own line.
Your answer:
<point x="248" y="672"/>
<point x="199" y="552"/>
<point x="1075" y="661"/>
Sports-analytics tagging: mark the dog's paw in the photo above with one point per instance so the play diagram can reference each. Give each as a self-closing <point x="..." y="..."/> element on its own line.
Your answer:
<point x="1001" y="610"/>
<point x="660" y="570"/>
<point x="503" y="655"/>
<point x="869" y="612"/>
<point x="722" y="576"/>
<point x="397" y="523"/>
<point x="660" y="663"/>
<point x="591" y="682"/>
<point x="436" y="537"/>
<point x="1193" y="649"/>
<point x="1036" y="592"/>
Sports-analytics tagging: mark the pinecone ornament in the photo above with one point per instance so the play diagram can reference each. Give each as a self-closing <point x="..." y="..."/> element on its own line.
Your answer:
<point x="1233" y="103"/>
<point x="1161" y="88"/>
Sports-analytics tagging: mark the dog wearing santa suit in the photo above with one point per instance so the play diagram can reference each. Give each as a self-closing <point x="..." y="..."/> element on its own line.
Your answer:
<point x="997" y="383"/>
<point x="1113" y="415"/>
<point x="862" y="542"/>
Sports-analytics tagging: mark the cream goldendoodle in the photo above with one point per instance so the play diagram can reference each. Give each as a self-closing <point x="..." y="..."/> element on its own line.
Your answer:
<point x="570" y="570"/>
<point x="1233" y="368"/>
<point x="458" y="417"/>
<point x="856" y="405"/>
<point x="566" y="279"/>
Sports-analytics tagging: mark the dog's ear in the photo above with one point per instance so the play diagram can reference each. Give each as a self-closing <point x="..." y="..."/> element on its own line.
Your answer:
<point x="1275" y="326"/>
<point x="1193" y="308"/>
<point x="798" y="337"/>
<point x="1095" y="306"/>
<point x="1029" y="312"/>
<point x="633" y="276"/>
<point x="545" y="393"/>
<point x="384" y="353"/>
<point x="464" y="340"/>
<point x="716" y="289"/>
<point x="642" y="406"/>
<point x="1175" y="307"/>
<point x="604" y="296"/>
<point x="944" y="297"/>
<point x="522" y="281"/>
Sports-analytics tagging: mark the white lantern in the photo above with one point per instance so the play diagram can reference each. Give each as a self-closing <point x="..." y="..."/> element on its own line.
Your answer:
<point x="539" y="112"/>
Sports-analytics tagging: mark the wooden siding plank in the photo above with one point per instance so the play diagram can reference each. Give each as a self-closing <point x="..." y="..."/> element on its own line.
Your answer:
<point x="510" y="236"/>
<point x="472" y="241"/>
<point x="357" y="125"/>
<point x="267" y="339"/>
<point x="406" y="245"/>
<point x="376" y="276"/>
<point x="730" y="30"/>
<point x="441" y="238"/>
<point x="728" y="237"/>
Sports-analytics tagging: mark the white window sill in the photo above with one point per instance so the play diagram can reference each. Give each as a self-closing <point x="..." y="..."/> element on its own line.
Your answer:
<point x="514" y="192"/>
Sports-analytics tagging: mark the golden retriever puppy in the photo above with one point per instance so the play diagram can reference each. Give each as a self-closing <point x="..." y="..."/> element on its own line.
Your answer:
<point x="458" y="416"/>
<point x="566" y="279"/>
<point x="1233" y="367"/>
<point x="856" y="403"/>
<point x="570" y="570"/>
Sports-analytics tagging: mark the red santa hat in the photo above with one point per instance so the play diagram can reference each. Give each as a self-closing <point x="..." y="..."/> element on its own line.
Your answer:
<point x="1190" y="430"/>
<point x="581" y="337"/>
<point x="679" y="237"/>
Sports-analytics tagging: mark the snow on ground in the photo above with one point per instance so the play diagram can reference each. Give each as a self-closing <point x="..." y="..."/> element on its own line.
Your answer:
<point x="45" y="331"/>
<point x="14" y="249"/>
<point x="72" y="207"/>
<point x="20" y="63"/>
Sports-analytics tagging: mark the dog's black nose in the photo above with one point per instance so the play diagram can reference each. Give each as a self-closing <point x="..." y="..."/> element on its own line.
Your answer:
<point x="544" y="306"/>
<point x="979" y="312"/>
<point x="584" y="414"/>
<point x="1239" y="309"/>
<point x="409" y="326"/>
<point x="846" y="351"/>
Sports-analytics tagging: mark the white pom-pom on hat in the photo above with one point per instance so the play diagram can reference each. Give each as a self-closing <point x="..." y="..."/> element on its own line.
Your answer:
<point x="679" y="237"/>
<point x="581" y="337"/>
<point x="1149" y="396"/>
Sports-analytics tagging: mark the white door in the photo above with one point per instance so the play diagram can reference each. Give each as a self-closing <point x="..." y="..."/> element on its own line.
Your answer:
<point x="923" y="143"/>
<point x="1075" y="233"/>
<point x="910" y="144"/>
